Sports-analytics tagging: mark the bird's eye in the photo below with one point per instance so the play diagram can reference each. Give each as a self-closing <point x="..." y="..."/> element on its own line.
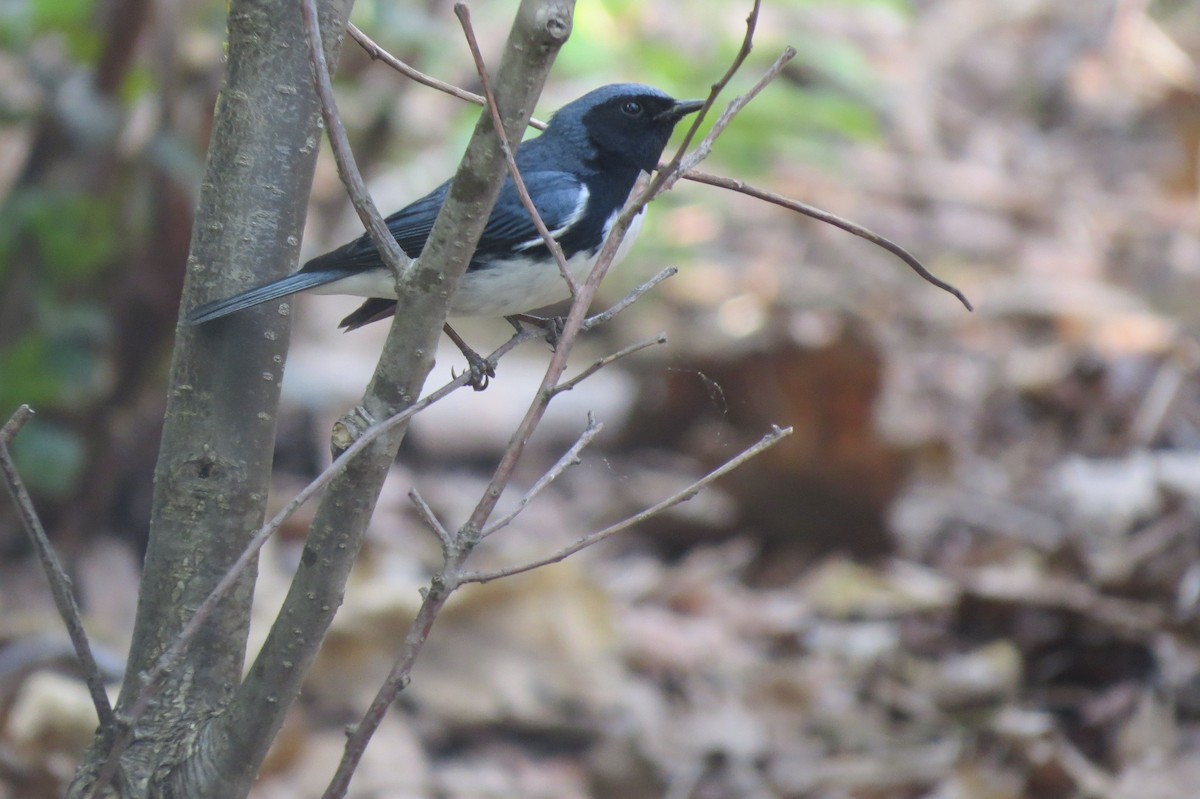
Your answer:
<point x="632" y="108"/>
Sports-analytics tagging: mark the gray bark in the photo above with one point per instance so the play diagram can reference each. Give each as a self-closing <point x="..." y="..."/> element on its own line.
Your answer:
<point x="214" y="464"/>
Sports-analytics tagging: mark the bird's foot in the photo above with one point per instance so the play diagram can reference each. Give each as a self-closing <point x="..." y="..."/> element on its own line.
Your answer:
<point x="551" y="326"/>
<point x="481" y="369"/>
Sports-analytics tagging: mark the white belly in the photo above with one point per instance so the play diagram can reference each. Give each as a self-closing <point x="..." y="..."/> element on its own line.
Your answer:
<point x="504" y="288"/>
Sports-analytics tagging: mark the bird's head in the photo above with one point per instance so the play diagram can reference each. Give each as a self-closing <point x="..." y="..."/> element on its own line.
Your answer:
<point x="626" y="121"/>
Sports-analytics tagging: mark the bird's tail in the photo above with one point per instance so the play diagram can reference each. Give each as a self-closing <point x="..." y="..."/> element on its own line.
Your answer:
<point x="292" y="284"/>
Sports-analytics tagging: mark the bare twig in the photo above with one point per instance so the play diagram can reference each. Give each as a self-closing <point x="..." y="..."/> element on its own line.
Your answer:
<point x="430" y="518"/>
<point x="60" y="583"/>
<point x="597" y="365"/>
<point x="628" y="299"/>
<point x="704" y="149"/>
<point x="771" y="439"/>
<point x="372" y="220"/>
<point x="379" y="54"/>
<point x="533" y="415"/>
<point x="464" y="16"/>
<point x="743" y="52"/>
<point x="569" y="458"/>
<point x="832" y="219"/>
<point x="357" y="739"/>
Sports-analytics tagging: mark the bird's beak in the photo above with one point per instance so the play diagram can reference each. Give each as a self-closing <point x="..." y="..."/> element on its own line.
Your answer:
<point x="681" y="109"/>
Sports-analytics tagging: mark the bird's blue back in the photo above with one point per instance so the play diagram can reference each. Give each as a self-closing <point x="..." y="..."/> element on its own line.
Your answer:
<point x="554" y="167"/>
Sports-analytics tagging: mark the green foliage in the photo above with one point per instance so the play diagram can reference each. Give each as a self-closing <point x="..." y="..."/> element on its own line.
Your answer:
<point x="828" y="93"/>
<point x="21" y="21"/>
<point x="50" y="372"/>
<point x="54" y="365"/>
<point x="75" y="235"/>
<point x="140" y="81"/>
<point x="48" y="457"/>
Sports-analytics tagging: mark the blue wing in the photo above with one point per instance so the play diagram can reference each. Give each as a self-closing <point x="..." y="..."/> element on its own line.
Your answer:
<point x="558" y="196"/>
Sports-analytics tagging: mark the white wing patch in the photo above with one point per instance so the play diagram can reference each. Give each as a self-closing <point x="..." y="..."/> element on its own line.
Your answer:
<point x="519" y="285"/>
<point x="576" y="213"/>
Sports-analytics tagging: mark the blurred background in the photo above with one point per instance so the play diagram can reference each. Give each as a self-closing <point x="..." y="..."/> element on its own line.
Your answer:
<point x="974" y="569"/>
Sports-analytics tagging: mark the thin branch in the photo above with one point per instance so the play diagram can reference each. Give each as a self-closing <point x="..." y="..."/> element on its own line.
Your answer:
<point x="558" y="363"/>
<point x="766" y="442"/>
<point x="377" y="53"/>
<point x="398" y="678"/>
<point x="569" y="458"/>
<point x="704" y="149"/>
<point x="441" y="584"/>
<point x="832" y="219"/>
<point x="60" y="583"/>
<point x="628" y="299"/>
<point x="372" y="220"/>
<point x="597" y="365"/>
<point x="430" y="518"/>
<point x="742" y="53"/>
<point x="464" y="16"/>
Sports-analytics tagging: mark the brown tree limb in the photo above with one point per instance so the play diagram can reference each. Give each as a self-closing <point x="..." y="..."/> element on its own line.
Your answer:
<point x="853" y="228"/>
<point x="377" y="53"/>
<point x="704" y="149"/>
<point x="665" y="173"/>
<point x="360" y="735"/>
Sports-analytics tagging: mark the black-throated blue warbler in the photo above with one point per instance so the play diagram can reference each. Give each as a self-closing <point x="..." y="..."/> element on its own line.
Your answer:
<point x="578" y="172"/>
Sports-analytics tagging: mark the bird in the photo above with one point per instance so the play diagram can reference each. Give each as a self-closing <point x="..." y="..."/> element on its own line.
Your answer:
<point x="578" y="172"/>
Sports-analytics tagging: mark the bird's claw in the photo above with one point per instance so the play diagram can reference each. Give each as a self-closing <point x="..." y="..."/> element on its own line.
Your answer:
<point x="481" y="370"/>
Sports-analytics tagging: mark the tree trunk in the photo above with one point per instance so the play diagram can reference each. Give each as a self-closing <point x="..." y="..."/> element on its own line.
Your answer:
<point x="214" y="464"/>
